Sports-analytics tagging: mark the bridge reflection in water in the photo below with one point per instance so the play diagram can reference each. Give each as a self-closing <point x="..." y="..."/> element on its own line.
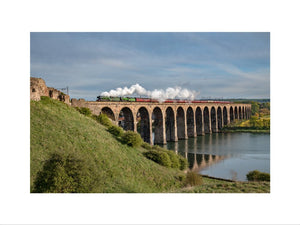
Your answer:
<point x="225" y="155"/>
<point x="200" y="159"/>
<point x="196" y="160"/>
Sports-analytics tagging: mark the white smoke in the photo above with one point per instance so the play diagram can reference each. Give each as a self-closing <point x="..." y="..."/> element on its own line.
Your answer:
<point x="159" y="94"/>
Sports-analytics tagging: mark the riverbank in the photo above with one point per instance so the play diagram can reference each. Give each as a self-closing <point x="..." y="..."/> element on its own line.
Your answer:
<point x="244" y="130"/>
<point x="213" y="185"/>
<point x="256" y="124"/>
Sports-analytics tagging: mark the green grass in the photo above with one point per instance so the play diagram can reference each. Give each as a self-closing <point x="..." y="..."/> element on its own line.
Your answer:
<point x="219" y="186"/>
<point x="244" y="130"/>
<point x="55" y="126"/>
<point x="118" y="168"/>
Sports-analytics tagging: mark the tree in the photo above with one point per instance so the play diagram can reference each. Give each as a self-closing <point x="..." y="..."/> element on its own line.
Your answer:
<point x="254" y="108"/>
<point x="253" y="121"/>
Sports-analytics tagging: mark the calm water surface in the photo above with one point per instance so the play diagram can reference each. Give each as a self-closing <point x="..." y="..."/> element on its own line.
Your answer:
<point x="226" y="155"/>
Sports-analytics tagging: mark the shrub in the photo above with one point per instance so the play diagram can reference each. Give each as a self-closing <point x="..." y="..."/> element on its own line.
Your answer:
<point x="193" y="179"/>
<point x="65" y="174"/>
<point x="266" y="123"/>
<point x="160" y="157"/>
<point x="147" y="146"/>
<point x="104" y="120"/>
<point x="256" y="175"/>
<point x="177" y="161"/>
<point x="83" y="110"/>
<point x="157" y="147"/>
<point x="183" y="163"/>
<point x="181" y="177"/>
<point x="115" y="130"/>
<point x="254" y="107"/>
<point x="132" y="139"/>
<point x="174" y="159"/>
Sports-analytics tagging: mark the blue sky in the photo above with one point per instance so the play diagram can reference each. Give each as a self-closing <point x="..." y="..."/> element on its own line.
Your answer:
<point x="228" y="65"/>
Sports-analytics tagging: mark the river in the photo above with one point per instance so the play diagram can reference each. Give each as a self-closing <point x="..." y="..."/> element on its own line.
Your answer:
<point x="226" y="155"/>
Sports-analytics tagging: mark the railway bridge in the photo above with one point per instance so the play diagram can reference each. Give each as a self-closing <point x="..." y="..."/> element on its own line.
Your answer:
<point x="169" y="121"/>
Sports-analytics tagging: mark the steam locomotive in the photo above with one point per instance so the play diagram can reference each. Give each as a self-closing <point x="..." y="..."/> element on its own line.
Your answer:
<point x="134" y="99"/>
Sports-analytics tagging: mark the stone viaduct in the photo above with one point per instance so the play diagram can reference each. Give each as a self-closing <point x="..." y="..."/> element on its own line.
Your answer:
<point x="168" y="121"/>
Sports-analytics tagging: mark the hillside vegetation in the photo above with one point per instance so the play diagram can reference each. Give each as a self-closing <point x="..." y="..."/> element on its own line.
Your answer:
<point x="61" y="135"/>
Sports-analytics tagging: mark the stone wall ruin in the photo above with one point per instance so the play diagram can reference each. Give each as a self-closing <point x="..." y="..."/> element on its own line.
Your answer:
<point x="38" y="88"/>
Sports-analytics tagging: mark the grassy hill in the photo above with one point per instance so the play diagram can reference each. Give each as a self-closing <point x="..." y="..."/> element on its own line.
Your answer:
<point x="58" y="128"/>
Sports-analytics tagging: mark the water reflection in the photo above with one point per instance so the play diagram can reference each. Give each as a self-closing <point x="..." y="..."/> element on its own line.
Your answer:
<point x="197" y="161"/>
<point x="225" y="155"/>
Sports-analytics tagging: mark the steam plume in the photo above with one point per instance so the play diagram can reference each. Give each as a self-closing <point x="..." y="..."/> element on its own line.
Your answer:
<point x="159" y="94"/>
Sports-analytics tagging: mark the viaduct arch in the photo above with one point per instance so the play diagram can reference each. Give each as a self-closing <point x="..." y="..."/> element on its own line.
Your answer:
<point x="169" y="121"/>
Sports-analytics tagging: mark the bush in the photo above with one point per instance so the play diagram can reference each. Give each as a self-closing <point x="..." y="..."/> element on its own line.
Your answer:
<point x="157" y="147"/>
<point x="160" y="157"/>
<point x="266" y="123"/>
<point x="183" y="163"/>
<point x="132" y="139"/>
<point x="147" y="146"/>
<point x="104" y="120"/>
<point x="65" y="174"/>
<point x="83" y="110"/>
<point x="193" y="179"/>
<point x="115" y="130"/>
<point x="181" y="178"/>
<point x="256" y="175"/>
<point x="177" y="161"/>
<point x="254" y="107"/>
<point x="174" y="159"/>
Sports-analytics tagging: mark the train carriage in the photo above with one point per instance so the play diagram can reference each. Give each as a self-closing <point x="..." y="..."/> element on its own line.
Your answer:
<point x="133" y="99"/>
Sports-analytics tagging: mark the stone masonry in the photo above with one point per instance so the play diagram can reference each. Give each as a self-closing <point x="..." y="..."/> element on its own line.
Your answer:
<point x="38" y="88"/>
<point x="169" y="121"/>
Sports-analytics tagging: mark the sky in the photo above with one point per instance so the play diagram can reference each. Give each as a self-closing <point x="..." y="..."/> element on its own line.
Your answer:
<point x="214" y="65"/>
